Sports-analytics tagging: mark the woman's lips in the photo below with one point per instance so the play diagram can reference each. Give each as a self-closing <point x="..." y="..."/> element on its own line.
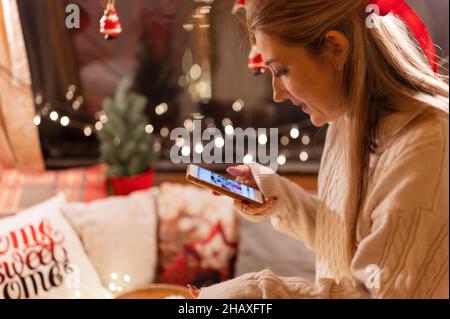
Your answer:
<point x="304" y="107"/>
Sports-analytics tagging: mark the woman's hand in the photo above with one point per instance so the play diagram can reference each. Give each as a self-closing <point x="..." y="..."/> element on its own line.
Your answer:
<point x="244" y="175"/>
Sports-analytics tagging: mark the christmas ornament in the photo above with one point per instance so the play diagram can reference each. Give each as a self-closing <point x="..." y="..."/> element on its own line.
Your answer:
<point x="110" y="24"/>
<point x="255" y="61"/>
<point x="401" y="9"/>
<point x="240" y="4"/>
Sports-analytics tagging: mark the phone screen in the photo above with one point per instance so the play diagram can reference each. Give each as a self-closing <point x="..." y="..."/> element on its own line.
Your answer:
<point x="223" y="182"/>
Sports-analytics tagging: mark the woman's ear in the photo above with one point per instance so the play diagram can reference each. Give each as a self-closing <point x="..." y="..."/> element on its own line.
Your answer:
<point x="336" y="48"/>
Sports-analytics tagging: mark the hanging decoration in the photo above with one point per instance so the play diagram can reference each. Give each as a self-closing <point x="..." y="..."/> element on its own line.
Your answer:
<point x="239" y="4"/>
<point x="110" y="25"/>
<point x="255" y="61"/>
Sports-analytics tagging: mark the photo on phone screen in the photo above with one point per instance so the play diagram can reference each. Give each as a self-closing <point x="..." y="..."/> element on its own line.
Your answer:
<point x="223" y="182"/>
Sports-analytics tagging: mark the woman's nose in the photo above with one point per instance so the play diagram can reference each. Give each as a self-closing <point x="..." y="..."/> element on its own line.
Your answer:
<point x="279" y="92"/>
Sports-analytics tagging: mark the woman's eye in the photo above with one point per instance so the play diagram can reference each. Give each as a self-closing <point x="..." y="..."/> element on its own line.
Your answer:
<point x="280" y="73"/>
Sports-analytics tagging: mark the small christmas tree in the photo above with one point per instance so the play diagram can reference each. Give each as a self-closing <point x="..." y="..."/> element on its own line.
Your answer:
<point x="124" y="144"/>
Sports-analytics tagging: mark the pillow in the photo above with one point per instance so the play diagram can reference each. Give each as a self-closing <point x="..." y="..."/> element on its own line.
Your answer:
<point x="197" y="236"/>
<point x="20" y="190"/>
<point x="119" y="236"/>
<point x="42" y="257"/>
<point x="262" y="247"/>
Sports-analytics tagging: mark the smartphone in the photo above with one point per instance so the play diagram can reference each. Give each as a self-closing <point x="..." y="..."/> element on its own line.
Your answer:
<point x="205" y="178"/>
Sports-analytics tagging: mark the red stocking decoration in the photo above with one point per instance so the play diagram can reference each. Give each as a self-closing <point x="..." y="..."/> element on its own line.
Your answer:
<point x="110" y="25"/>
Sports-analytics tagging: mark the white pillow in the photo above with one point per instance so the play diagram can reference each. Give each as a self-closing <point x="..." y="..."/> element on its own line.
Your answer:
<point x="119" y="235"/>
<point x="42" y="257"/>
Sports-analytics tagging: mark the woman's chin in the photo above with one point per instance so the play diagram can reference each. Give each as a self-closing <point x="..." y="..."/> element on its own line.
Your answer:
<point x="316" y="120"/>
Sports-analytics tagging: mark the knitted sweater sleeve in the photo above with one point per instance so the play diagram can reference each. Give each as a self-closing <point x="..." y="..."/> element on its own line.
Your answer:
<point x="295" y="212"/>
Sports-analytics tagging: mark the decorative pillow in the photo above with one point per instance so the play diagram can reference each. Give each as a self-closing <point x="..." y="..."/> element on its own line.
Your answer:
<point x="197" y="236"/>
<point x="42" y="257"/>
<point x="119" y="236"/>
<point x="20" y="190"/>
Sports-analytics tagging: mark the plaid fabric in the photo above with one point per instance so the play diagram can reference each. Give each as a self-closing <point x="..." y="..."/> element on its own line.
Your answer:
<point x="20" y="190"/>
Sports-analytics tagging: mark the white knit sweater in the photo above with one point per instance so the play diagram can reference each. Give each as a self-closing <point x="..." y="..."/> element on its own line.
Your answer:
<point x="402" y="233"/>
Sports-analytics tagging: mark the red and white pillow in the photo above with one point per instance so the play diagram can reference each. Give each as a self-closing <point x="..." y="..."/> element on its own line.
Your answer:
<point x="42" y="257"/>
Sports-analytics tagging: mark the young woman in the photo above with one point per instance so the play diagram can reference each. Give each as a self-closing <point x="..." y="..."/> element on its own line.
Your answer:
<point x="379" y="225"/>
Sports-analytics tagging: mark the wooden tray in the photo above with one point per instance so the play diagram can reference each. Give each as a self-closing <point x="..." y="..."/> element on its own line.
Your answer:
<point x="156" y="291"/>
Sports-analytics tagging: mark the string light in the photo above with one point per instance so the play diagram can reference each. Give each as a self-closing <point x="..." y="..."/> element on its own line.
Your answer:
<point x="64" y="121"/>
<point x="295" y="133"/>
<point x="262" y="139"/>
<point x="195" y="72"/>
<point x="87" y="131"/>
<point x="69" y="95"/>
<point x="157" y="147"/>
<point x="281" y="159"/>
<point x="149" y="129"/>
<point x="188" y="27"/>
<point x="306" y="139"/>
<point x="219" y="142"/>
<point x="205" y="9"/>
<point x="164" y="132"/>
<point x="284" y="140"/>
<point x="185" y="150"/>
<point x="38" y="99"/>
<point x="72" y="88"/>
<point x="112" y="286"/>
<point x="126" y="278"/>
<point x="161" y="109"/>
<point x="304" y="156"/>
<point x="247" y="159"/>
<point x="229" y="129"/>
<point x="198" y="148"/>
<point x="114" y="276"/>
<point x="226" y="121"/>
<point x="179" y="141"/>
<point x="54" y="116"/>
<point x="189" y="125"/>
<point x="98" y="126"/>
<point x="103" y="118"/>
<point x="238" y="105"/>
<point x="37" y="120"/>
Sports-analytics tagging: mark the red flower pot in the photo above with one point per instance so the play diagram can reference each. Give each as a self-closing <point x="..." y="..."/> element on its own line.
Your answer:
<point x="129" y="184"/>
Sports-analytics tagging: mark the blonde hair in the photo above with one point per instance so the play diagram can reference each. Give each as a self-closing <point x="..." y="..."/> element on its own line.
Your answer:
<point x="386" y="72"/>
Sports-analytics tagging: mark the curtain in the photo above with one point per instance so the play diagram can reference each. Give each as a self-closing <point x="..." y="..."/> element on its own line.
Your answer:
<point x="19" y="137"/>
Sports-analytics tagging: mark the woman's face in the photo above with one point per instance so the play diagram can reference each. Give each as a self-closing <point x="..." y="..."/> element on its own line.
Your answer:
<point x="310" y="82"/>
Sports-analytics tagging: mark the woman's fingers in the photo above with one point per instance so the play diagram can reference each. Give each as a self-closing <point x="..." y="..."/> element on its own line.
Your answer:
<point x="194" y="291"/>
<point x="240" y="170"/>
<point x="253" y="210"/>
